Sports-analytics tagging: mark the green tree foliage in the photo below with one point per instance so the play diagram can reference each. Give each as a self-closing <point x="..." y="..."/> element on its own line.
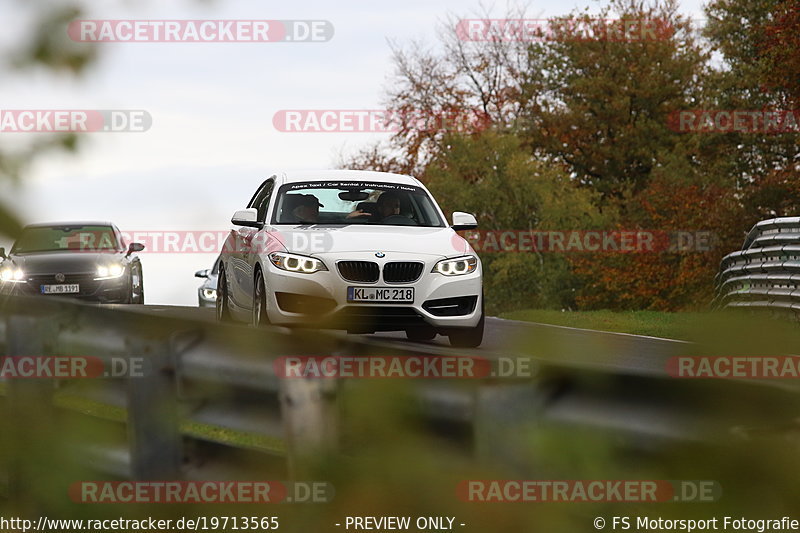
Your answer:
<point x="754" y="37"/>
<point x="602" y="104"/>
<point x="780" y="49"/>
<point x="492" y="176"/>
<point x="573" y="115"/>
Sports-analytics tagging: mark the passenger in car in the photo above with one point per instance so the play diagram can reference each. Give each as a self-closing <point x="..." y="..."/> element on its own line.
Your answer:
<point x="364" y="209"/>
<point x="388" y="204"/>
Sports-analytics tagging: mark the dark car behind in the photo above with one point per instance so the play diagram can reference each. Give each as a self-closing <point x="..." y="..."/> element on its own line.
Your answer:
<point x="84" y="260"/>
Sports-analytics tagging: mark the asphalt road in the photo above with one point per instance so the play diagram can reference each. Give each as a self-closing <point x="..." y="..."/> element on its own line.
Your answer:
<point x="624" y="353"/>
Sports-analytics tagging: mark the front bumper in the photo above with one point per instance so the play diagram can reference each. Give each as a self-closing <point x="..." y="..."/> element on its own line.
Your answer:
<point x="320" y="299"/>
<point x="115" y="290"/>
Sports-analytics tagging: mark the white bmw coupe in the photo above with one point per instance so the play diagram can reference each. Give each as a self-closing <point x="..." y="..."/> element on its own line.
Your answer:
<point x="353" y="250"/>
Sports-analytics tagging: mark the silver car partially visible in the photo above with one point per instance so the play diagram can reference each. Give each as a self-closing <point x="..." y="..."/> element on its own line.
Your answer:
<point x="207" y="292"/>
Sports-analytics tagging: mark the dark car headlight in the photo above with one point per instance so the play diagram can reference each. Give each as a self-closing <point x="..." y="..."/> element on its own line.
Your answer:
<point x="12" y="275"/>
<point x="110" y="271"/>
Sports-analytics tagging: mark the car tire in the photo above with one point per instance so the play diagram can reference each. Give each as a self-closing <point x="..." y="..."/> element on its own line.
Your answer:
<point x="421" y="333"/>
<point x="468" y="337"/>
<point x="259" y="317"/>
<point x="137" y="296"/>
<point x="222" y="305"/>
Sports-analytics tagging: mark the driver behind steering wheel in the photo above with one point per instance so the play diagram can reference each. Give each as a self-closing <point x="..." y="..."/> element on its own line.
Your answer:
<point x="388" y="205"/>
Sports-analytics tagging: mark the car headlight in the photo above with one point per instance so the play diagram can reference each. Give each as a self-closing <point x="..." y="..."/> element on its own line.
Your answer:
<point x="456" y="267"/>
<point x="111" y="271"/>
<point x="296" y="263"/>
<point x="209" y="294"/>
<point x="13" y="275"/>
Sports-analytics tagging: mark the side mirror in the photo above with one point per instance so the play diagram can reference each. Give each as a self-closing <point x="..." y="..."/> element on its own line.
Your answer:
<point x="202" y="273"/>
<point x="135" y="247"/>
<point x="246" y="217"/>
<point x="463" y="221"/>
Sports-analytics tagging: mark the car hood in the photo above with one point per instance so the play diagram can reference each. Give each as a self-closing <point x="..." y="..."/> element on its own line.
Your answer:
<point x="64" y="262"/>
<point x="312" y="240"/>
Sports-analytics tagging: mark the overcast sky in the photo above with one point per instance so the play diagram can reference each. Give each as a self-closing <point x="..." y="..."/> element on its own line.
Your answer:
<point x="212" y="139"/>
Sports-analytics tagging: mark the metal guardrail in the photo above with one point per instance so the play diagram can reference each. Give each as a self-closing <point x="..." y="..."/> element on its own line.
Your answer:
<point x="765" y="273"/>
<point x="179" y="356"/>
<point x="223" y="377"/>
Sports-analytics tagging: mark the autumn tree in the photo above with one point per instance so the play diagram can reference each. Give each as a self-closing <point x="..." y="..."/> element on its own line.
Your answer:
<point x="756" y="73"/>
<point x="492" y="176"/>
<point x="463" y="86"/>
<point x="781" y="49"/>
<point x="596" y="116"/>
<point x="604" y="102"/>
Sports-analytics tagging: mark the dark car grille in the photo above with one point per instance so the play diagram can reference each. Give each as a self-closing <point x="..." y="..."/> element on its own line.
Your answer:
<point x="402" y="272"/>
<point x="361" y="271"/>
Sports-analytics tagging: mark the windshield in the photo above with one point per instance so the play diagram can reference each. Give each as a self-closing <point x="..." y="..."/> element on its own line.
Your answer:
<point x="66" y="239"/>
<point x="339" y="202"/>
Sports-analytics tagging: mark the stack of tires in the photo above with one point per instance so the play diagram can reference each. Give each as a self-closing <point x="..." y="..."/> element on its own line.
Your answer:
<point x="765" y="273"/>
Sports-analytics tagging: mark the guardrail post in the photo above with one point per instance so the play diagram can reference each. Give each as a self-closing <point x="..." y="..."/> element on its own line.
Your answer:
<point x="31" y="416"/>
<point x="309" y="414"/>
<point x="503" y="411"/>
<point x="154" y="437"/>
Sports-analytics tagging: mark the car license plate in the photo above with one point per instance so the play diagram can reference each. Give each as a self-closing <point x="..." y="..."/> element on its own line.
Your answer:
<point x="380" y="294"/>
<point x="71" y="288"/>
